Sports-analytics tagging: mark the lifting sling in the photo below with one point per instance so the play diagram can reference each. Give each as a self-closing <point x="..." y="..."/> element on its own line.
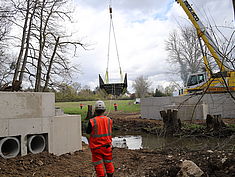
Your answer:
<point x="113" y="88"/>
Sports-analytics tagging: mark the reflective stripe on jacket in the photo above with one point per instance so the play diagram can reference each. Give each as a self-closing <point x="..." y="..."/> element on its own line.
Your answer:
<point x="101" y="132"/>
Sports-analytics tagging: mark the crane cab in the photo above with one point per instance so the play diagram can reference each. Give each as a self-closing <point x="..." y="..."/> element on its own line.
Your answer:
<point x="195" y="80"/>
<point x="195" y="84"/>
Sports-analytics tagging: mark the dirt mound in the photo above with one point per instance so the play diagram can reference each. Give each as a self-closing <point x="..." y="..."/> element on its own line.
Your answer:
<point x="167" y="163"/>
<point x="45" y="164"/>
<point x="127" y="163"/>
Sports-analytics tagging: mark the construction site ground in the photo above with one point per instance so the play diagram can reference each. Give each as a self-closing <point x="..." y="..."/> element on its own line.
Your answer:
<point x="128" y="163"/>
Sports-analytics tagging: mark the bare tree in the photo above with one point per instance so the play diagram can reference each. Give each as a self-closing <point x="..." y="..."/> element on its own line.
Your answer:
<point x="6" y="65"/>
<point x="77" y="86"/>
<point x="27" y="41"/>
<point x="224" y="37"/>
<point x="45" y="46"/>
<point x="50" y="64"/>
<point x="23" y="38"/>
<point x="141" y="85"/>
<point x="55" y="41"/>
<point x="184" y="49"/>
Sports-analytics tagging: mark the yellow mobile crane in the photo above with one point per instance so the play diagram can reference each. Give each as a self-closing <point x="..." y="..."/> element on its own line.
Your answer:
<point x="209" y="82"/>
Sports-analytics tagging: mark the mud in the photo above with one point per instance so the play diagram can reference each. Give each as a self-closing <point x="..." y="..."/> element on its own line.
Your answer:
<point x="128" y="163"/>
<point x="134" y="123"/>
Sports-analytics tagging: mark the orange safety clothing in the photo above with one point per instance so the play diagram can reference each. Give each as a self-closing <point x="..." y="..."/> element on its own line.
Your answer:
<point x="100" y="144"/>
<point x="101" y="132"/>
<point x="115" y="106"/>
<point x="100" y="156"/>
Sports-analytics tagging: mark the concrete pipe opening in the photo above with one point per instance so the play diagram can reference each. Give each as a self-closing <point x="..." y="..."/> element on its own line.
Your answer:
<point x="36" y="144"/>
<point x="9" y="147"/>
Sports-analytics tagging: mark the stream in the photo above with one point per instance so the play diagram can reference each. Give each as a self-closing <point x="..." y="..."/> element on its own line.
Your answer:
<point x="153" y="142"/>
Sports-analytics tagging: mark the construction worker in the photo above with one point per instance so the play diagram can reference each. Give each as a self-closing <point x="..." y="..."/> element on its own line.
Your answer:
<point x="81" y="105"/>
<point x="100" y="141"/>
<point x="115" y="106"/>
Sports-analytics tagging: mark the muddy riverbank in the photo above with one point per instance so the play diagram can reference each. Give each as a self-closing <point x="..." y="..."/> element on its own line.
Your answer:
<point x="157" y="162"/>
<point x="134" y="123"/>
<point x="128" y="163"/>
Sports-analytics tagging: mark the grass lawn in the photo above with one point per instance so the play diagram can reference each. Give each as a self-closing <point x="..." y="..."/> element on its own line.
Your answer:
<point x="126" y="106"/>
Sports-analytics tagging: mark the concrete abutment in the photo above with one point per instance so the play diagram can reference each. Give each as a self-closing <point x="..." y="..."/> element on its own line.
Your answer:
<point x="214" y="104"/>
<point x="30" y="124"/>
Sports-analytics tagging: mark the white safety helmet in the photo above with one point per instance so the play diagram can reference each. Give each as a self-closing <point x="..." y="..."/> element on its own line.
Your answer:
<point x="99" y="105"/>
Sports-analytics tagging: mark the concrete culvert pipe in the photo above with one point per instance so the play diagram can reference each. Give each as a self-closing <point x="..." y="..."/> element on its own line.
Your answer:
<point x="36" y="144"/>
<point x="9" y="147"/>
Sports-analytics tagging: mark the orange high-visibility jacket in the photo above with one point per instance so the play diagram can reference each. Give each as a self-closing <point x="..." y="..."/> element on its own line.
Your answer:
<point x="101" y="132"/>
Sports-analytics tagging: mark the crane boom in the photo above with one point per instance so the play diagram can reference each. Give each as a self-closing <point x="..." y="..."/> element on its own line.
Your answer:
<point x="208" y="82"/>
<point x="202" y="32"/>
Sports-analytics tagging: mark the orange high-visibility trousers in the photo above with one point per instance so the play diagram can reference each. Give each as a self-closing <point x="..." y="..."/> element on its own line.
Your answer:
<point x="100" y="156"/>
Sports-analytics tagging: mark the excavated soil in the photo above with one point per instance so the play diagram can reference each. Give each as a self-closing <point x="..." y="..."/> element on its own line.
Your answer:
<point x="128" y="163"/>
<point x="134" y="123"/>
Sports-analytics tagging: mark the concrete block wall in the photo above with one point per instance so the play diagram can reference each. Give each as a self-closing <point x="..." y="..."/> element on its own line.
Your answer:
<point x="23" y="114"/>
<point x="220" y="104"/>
<point x="210" y="104"/>
<point x="187" y="112"/>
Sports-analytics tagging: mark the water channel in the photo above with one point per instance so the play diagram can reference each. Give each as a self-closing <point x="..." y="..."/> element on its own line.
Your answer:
<point x="147" y="141"/>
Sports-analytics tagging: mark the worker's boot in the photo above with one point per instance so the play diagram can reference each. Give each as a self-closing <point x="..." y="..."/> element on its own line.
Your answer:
<point x="110" y="175"/>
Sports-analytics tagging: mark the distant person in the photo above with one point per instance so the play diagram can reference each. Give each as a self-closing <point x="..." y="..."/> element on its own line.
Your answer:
<point x="115" y="106"/>
<point x="100" y="141"/>
<point x="81" y="105"/>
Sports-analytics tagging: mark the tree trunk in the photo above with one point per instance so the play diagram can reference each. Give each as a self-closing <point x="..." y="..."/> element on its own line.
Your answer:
<point x="214" y="123"/>
<point x="234" y="8"/>
<point x="27" y="44"/>
<point x="89" y="112"/>
<point x="41" y="46"/>
<point x="17" y="68"/>
<point x="50" y="65"/>
<point x="171" y="123"/>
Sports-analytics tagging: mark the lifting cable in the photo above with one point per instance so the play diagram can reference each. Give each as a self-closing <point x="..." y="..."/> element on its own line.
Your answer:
<point x="111" y="28"/>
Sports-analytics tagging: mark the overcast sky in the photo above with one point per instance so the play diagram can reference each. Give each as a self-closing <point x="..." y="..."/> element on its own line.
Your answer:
<point x="141" y="27"/>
